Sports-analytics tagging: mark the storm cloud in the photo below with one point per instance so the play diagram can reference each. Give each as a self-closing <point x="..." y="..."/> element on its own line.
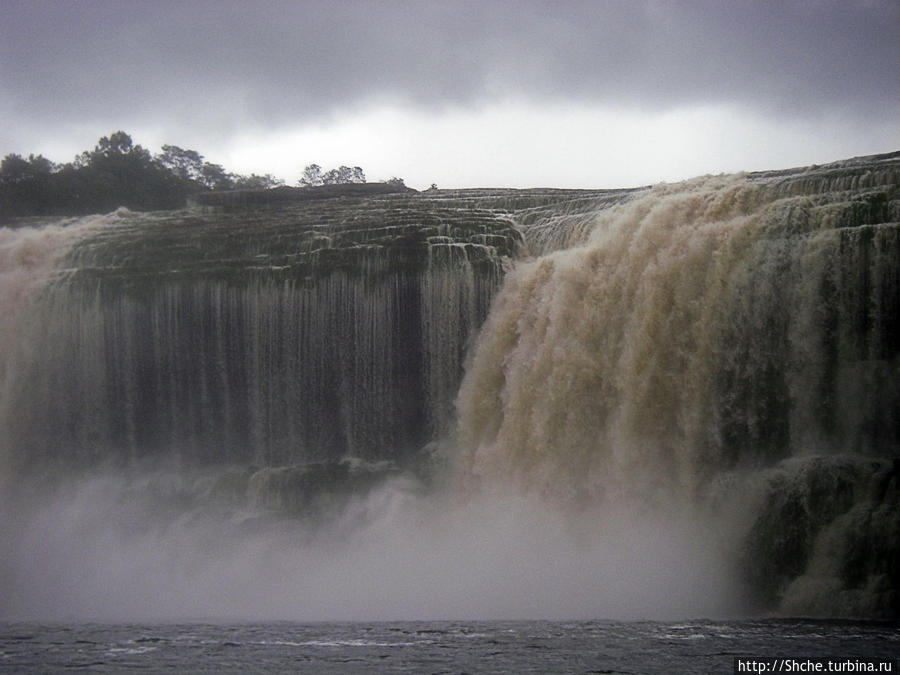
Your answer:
<point x="209" y="70"/>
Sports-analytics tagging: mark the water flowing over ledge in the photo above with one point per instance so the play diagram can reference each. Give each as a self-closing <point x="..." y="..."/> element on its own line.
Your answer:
<point x="695" y="383"/>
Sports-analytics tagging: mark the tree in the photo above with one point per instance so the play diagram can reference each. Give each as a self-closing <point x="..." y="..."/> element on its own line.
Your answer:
<point x="41" y="166"/>
<point x="25" y="184"/>
<point x="117" y="172"/>
<point x="186" y="164"/>
<point x="312" y="175"/>
<point x="343" y="175"/>
<point x="117" y="144"/>
<point x="214" y="177"/>
<point x="255" y="182"/>
<point x="14" y="169"/>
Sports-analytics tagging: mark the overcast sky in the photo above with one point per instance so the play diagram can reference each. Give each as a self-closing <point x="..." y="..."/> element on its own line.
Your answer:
<point x="517" y="93"/>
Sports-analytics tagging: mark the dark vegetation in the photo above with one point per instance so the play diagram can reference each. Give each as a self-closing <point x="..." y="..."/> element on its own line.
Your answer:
<point x="283" y="194"/>
<point x="119" y="173"/>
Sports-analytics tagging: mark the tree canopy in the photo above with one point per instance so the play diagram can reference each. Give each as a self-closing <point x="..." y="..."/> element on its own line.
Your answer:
<point x="115" y="173"/>
<point x="312" y="176"/>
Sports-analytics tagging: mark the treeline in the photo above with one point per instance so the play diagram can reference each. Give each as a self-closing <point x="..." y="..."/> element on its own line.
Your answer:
<point x="313" y="176"/>
<point x="115" y="173"/>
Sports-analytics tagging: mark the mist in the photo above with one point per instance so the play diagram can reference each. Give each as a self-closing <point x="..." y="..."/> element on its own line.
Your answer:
<point x="111" y="548"/>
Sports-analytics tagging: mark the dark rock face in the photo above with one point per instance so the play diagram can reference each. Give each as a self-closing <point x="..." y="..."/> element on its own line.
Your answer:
<point x="826" y="539"/>
<point x="292" y="241"/>
<point x="277" y="335"/>
<point x="241" y="199"/>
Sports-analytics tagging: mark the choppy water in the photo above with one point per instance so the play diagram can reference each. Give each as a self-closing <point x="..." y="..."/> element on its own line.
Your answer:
<point x="436" y="647"/>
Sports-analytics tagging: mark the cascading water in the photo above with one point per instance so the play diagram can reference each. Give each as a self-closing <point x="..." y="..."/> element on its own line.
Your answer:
<point x="703" y="326"/>
<point x="733" y="330"/>
<point x="307" y="335"/>
<point x="683" y="400"/>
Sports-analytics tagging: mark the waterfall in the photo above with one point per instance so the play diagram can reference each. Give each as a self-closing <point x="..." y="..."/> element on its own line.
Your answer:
<point x="730" y="330"/>
<point x="272" y="338"/>
<point x="699" y="327"/>
<point x="674" y="400"/>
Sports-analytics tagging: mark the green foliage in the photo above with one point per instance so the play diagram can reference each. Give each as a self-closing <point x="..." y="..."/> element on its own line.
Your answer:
<point x="186" y="164"/>
<point x="313" y="176"/>
<point x="254" y="182"/>
<point x="213" y="177"/>
<point x="25" y="181"/>
<point x="115" y="173"/>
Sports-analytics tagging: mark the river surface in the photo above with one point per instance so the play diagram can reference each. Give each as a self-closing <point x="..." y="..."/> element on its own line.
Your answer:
<point x="445" y="646"/>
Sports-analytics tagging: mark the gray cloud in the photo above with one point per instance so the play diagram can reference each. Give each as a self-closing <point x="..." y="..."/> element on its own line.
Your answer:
<point x="222" y="66"/>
